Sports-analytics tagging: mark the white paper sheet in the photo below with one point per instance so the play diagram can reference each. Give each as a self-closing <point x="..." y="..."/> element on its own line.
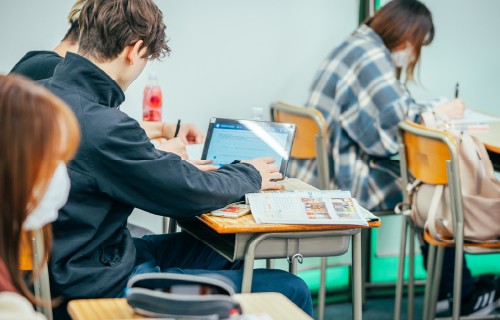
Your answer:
<point x="195" y="151"/>
<point x="306" y="207"/>
<point x="472" y="117"/>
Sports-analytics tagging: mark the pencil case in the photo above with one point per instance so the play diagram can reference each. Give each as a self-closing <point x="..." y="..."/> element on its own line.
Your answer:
<point x="182" y="296"/>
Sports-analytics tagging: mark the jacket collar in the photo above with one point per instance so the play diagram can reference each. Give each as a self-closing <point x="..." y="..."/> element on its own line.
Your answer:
<point x="79" y="72"/>
<point x="369" y="34"/>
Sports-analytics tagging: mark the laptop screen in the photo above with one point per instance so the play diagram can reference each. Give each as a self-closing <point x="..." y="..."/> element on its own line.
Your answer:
<point x="245" y="140"/>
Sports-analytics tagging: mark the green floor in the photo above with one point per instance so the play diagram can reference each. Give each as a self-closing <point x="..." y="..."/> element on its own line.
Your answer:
<point x="383" y="269"/>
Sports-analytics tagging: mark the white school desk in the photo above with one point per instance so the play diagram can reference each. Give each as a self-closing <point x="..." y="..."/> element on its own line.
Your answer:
<point x="491" y="140"/>
<point x="242" y="238"/>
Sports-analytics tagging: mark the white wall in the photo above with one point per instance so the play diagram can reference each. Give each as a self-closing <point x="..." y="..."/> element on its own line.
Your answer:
<point x="466" y="49"/>
<point x="227" y="56"/>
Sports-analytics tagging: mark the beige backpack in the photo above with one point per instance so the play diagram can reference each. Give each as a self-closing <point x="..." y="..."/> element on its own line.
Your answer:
<point x="430" y="204"/>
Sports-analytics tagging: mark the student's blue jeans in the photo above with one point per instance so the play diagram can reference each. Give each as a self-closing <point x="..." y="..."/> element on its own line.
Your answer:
<point x="182" y="253"/>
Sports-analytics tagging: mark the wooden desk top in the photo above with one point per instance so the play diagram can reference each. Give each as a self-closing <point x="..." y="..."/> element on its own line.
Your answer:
<point x="274" y="304"/>
<point x="490" y="137"/>
<point x="247" y="224"/>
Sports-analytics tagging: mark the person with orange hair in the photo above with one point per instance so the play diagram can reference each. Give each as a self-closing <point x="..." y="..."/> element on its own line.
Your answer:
<point x="34" y="182"/>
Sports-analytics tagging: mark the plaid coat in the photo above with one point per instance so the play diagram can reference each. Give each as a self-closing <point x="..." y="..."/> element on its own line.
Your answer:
<point x="357" y="92"/>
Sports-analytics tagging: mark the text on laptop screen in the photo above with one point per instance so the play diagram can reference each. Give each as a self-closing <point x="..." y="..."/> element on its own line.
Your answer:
<point x="246" y="141"/>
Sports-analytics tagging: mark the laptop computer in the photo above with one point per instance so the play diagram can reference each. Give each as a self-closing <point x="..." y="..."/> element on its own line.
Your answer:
<point x="229" y="140"/>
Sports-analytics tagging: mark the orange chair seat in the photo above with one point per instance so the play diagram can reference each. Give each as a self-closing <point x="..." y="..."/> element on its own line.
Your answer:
<point x="428" y="237"/>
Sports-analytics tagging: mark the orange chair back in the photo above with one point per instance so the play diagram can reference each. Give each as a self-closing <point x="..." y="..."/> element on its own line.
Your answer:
<point x="427" y="157"/>
<point x="303" y="143"/>
<point x="26" y="256"/>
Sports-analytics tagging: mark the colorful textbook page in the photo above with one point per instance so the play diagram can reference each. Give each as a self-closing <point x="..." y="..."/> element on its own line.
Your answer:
<point x="306" y="207"/>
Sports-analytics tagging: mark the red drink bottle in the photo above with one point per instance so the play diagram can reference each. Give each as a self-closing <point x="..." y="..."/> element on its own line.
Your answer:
<point x="151" y="105"/>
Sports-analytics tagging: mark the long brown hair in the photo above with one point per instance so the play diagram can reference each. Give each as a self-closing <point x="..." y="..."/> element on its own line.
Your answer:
<point x="400" y="21"/>
<point x="37" y="131"/>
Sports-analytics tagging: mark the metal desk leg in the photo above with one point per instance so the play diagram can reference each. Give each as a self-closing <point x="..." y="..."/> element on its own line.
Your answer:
<point x="322" y="290"/>
<point x="165" y="224"/>
<point x="269" y="263"/>
<point x="357" y="303"/>
<point x="246" y="284"/>
<point x="401" y="269"/>
<point x="365" y="266"/>
<point x="172" y="225"/>
<point x="292" y="267"/>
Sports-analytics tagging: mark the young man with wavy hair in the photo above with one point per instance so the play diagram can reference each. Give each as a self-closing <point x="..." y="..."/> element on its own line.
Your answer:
<point x="117" y="169"/>
<point x="39" y="65"/>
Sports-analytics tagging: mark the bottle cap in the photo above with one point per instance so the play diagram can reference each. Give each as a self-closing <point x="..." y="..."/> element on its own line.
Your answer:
<point x="153" y="76"/>
<point x="257" y="110"/>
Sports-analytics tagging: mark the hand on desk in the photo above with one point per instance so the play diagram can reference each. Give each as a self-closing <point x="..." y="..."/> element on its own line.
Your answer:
<point x="267" y="171"/>
<point x="454" y="108"/>
<point x="188" y="133"/>
<point x="175" y="145"/>
<point x="201" y="164"/>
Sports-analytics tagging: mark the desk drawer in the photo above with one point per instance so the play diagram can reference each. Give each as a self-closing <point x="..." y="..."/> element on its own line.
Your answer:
<point x="232" y="246"/>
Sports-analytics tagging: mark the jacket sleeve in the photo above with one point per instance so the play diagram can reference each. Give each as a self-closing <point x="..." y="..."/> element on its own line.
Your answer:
<point x="383" y="102"/>
<point x="129" y="169"/>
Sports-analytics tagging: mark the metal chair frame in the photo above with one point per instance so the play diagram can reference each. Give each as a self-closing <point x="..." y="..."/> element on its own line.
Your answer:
<point x="435" y="257"/>
<point x="41" y="283"/>
<point x="320" y="144"/>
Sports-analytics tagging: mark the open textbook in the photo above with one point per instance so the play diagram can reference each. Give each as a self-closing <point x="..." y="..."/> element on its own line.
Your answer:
<point x="306" y="207"/>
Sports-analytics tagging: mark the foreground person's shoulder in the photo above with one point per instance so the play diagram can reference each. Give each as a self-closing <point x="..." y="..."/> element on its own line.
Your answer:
<point x="15" y="306"/>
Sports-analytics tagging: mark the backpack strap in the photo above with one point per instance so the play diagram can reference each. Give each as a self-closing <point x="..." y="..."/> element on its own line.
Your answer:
<point x="430" y="224"/>
<point x="428" y="119"/>
<point x="398" y="210"/>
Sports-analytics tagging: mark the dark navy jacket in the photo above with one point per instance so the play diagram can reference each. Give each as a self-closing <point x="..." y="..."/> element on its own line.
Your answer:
<point x="37" y="65"/>
<point x="115" y="170"/>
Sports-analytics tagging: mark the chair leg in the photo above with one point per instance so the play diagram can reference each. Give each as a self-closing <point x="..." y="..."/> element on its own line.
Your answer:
<point x="411" y="278"/>
<point x="269" y="263"/>
<point x="42" y="284"/>
<point x="357" y="308"/>
<point x="45" y="290"/>
<point x="428" y="281"/>
<point x="401" y="269"/>
<point x="436" y="282"/>
<point x="38" y="293"/>
<point x="457" y="283"/>
<point x="322" y="290"/>
<point x="292" y="267"/>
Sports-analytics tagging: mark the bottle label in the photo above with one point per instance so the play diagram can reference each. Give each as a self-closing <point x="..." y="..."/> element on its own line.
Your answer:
<point x="152" y="104"/>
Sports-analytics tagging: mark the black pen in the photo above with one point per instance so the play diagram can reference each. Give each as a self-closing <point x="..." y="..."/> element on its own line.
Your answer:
<point x="177" y="129"/>
<point x="456" y="91"/>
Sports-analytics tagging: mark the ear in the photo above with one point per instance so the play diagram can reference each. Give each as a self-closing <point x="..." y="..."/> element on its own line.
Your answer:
<point x="134" y="52"/>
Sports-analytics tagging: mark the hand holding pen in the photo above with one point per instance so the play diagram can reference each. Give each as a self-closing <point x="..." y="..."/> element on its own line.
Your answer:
<point x="454" y="108"/>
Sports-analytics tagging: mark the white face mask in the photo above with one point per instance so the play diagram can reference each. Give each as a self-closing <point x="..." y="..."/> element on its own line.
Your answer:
<point x="54" y="199"/>
<point x="404" y="57"/>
